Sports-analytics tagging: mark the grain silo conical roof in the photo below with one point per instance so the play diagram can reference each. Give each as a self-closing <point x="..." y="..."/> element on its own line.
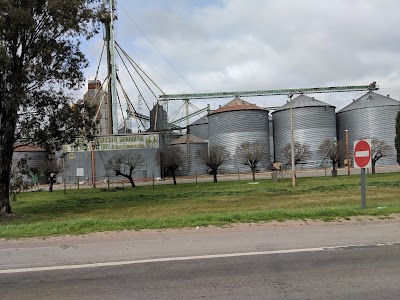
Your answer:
<point x="236" y="104"/>
<point x="370" y="99"/>
<point x="202" y="120"/>
<point x="304" y="101"/>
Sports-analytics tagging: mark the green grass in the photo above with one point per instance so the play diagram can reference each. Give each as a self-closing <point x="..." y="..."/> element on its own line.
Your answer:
<point x="185" y="205"/>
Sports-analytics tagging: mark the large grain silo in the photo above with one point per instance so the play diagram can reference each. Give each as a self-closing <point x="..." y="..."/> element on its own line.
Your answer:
<point x="370" y="116"/>
<point x="313" y="122"/>
<point x="190" y="145"/>
<point x="33" y="155"/>
<point x="234" y="123"/>
<point x="199" y="128"/>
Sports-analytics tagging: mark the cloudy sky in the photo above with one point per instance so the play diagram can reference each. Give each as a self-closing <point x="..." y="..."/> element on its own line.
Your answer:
<point x="189" y="46"/>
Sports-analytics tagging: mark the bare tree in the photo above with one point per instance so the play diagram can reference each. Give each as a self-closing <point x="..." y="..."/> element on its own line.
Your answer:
<point x="379" y="149"/>
<point x="124" y="164"/>
<point x="213" y="158"/>
<point x="301" y="152"/>
<point x="170" y="158"/>
<point x="334" y="150"/>
<point x="251" y="154"/>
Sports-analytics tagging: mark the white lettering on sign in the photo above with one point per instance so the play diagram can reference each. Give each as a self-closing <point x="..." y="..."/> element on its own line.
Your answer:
<point x="104" y="143"/>
<point x="362" y="153"/>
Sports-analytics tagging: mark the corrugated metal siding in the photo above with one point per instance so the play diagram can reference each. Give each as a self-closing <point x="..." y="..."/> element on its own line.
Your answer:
<point x="191" y="165"/>
<point x="200" y="130"/>
<point x="83" y="160"/>
<point x="271" y="140"/>
<point x="311" y="125"/>
<point x="373" y="122"/>
<point x="33" y="158"/>
<point x="162" y="118"/>
<point x="231" y="128"/>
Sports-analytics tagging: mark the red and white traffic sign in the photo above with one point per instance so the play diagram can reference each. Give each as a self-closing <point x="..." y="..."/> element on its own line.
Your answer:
<point x="362" y="154"/>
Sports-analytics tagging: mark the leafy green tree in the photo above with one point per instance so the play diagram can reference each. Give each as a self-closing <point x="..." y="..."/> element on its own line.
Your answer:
<point x="397" y="139"/>
<point x="40" y="58"/>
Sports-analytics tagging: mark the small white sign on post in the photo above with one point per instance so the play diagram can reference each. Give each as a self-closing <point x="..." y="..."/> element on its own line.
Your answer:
<point x="80" y="172"/>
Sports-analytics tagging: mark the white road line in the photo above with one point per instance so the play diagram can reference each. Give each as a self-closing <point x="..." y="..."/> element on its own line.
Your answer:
<point x="183" y="258"/>
<point x="362" y="153"/>
<point x="153" y="260"/>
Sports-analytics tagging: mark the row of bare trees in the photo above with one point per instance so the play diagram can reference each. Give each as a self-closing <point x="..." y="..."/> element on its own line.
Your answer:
<point x="335" y="151"/>
<point x="171" y="158"/>
<point x="249" y="153"/>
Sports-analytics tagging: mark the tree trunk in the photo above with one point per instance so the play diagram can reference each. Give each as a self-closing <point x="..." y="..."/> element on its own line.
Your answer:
<point x="51" y="185"/>
<point x="131" y="181"/>
<point x="173" y="176"/>
<point x="215" y="175"/>
<point x="373" y="166"/>
<point x="253" y="171"/>
<point x="7" y="139"/>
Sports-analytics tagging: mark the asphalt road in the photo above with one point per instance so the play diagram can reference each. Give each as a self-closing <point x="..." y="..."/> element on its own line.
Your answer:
<point x="363" y="272"/>
<point x="293" y="260"/>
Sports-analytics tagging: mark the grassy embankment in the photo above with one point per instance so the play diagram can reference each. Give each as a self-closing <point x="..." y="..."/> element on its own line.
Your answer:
<point x="185" y="205"/>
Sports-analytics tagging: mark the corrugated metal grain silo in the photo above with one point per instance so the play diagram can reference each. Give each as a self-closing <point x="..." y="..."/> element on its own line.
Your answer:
<point x="33" y="155"/>
<point x="234" y="123"/>
<point x="199" y="128"/>
<point x="313" y="122"/>
<point x="190" y="145"/>
<point x="370" y="116"/>
<point x="271" y="139"/>
<point x="158" y="118"/>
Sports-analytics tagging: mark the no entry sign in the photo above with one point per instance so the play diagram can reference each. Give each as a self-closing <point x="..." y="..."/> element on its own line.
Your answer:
<point x="362" y="153"/>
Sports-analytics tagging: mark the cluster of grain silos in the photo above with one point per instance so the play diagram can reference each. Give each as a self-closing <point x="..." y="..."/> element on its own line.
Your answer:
<point x="234" y="123"/>
<point x="370" y="116"/>
<point x="313" y="122"/>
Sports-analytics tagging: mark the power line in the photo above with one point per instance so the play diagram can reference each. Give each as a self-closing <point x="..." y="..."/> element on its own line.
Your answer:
<point x="155" y="47"/>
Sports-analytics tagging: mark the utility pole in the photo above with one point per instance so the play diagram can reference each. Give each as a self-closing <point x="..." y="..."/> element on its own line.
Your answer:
<point x="347" y="152"/>
<point x="292" y="142"/>
<point x="93" y="144"/>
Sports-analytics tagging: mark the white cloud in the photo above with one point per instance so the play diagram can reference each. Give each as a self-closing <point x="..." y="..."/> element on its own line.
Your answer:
<point x="257" y="44"/>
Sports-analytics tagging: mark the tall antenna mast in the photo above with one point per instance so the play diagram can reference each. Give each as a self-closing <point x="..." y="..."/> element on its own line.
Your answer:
<point x="112" y="104"/>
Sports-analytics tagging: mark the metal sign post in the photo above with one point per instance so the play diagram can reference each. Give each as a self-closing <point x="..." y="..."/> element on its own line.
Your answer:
<point x="362" y="160"/>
